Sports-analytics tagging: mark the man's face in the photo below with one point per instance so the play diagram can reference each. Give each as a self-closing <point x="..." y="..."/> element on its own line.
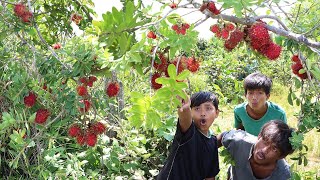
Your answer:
<point x="204" y="116"/>
<point x="265" y="152"/>
<point x="257" y="98"/>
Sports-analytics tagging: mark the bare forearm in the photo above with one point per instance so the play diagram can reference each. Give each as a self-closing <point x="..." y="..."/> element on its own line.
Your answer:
<point x="185" y="118"/>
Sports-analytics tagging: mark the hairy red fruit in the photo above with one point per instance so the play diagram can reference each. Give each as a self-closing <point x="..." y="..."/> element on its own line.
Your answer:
<point x="215" y="28"/>
<point x="229" y="27"/>
<point x="163" y="65"/>
<point x="30" y="100"/>
<point x="91" y="139"/>
<point x="182" y="65"/>
<point x="218" y="34"/>
<point x="151" y="35"/>
<point x="82" y="90"/>
<point x="224" y="33"/>
<point x="154" y="84"/>
<point x="26" y="17"/>
<point x="76" y="18"/>
<point x="90" y="84"/>
<point x="173" y="6"/>
<point x="175" y="27"/>
<point x="83" y="80"/>
<point x="42" y="116"/>
<point x="56" y="46"/>
<point x="181" y="29"/>
<point x="98" y="128"/>
<point x="74" y="130"/>
<point x="296" y="67"/>
<point x="235" y="38"/>
<point x="93" y="78"/>
<point x="259" y="36"/>
<point x="212" y="8"/>
<point x="81" y="139"/>
<point x="19" y="9"/>
<point x="295" y="58"/>
<point x="303" y="75"/>
<point x="112" y="89"/>
<point x="272" y="51"/>
<point x="87" y="105"/>
<point x="185" y="26"/>
<point x="193" y="64"/>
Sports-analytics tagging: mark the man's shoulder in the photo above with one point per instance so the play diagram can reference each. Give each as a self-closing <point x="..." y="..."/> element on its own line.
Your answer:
<point x="275" y="107"/>
<point x="240" y="107"/>
<point x="239" y="136"/>
<point x="283" y="169"/>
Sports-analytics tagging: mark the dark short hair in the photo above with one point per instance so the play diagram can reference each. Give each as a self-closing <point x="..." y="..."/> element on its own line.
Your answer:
<point x="278" y="132"/>
<point x="257" y="81"/>
<point x="201" y="97"/>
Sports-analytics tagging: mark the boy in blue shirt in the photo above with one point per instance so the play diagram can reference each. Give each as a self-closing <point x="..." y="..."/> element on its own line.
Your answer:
<point x="194" y="151"/>
<point x="250" y="116"/>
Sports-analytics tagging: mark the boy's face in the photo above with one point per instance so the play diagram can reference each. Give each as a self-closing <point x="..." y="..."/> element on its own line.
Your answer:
<point x="265" y="152"/>
<point x="204" y="115"/>
<point x="257" y="98"/>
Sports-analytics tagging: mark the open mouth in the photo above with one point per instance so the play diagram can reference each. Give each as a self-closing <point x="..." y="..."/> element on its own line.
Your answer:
<point x="203" y="122"/>
<point x="260" y="155"/>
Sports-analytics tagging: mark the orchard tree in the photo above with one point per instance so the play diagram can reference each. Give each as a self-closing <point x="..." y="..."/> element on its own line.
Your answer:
<point x="96" y="105"/>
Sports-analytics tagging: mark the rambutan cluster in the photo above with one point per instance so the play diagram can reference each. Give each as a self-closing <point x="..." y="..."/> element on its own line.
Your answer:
<point x="233" y="36"/>
<point x="112" y="89"/>
<point x="173" y="5"/>
<point x="151" y="35"/>
<point x="154" y="84"/>
<point x="211" y="6"/>
<point x="84" y="83"/>
<point x="83" y="91"/>
<point x="30" y="100"/>
<point x="297" y="66"/>
<point x="87" y="136"/>
<point x="181" y="28"/>
<point x="56" y="46"/>
<point x="85" y="105"/>
<point x="260" y="41"/>
<point x="22" y="12"/>
<point x="191" y="63"/>
<point x="41" y="114"/>
<point x="76" y="18"/>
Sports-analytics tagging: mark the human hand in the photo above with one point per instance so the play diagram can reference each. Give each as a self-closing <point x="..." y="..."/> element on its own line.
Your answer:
<point x="185" y="103"/>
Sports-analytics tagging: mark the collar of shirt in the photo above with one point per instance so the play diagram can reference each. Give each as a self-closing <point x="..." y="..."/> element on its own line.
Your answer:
<point x="210" y="133"/>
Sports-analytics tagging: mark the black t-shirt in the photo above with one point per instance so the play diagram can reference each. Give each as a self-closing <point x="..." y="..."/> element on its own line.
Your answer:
<point x="193" y="156"/>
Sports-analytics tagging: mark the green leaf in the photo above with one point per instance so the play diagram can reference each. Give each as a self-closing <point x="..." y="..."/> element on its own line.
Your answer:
<point x="123" y="44"/>
<point x="183" y="75"/>
<point x="32" y="118"/>
<point x="315" y="72"/>
<point x="129" y="13"/>
<point x="297" y="82"/>
<point x="290" y="98"/>
<point x="172" y="71"/>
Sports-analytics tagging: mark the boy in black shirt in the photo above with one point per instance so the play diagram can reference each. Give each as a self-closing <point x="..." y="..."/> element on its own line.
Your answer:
<point x="194" y="151"/>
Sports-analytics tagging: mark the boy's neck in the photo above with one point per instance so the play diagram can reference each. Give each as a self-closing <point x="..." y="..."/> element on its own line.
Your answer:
<point x="257" y="114"/>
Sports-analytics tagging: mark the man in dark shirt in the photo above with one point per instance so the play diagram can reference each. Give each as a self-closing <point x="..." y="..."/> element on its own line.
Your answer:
<point x="259" y="157"/>
<point x="194" y="151"/>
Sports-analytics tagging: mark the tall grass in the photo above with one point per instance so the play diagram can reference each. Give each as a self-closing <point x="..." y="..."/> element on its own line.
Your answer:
<point x="279" y="95"/>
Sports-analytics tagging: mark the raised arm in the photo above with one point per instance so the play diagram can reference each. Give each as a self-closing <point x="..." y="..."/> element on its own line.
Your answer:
<point x="185" y="117"/>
